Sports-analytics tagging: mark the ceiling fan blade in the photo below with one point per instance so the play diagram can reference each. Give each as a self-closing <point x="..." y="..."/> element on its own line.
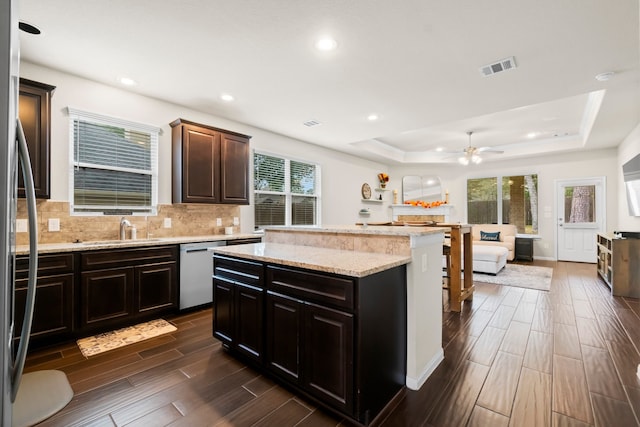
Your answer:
<point x="489" y="150"/>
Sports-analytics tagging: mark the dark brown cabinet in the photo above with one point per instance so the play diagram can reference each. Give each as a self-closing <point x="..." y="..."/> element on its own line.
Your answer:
<point x="238" y="306"/>
<point x="35" y="115"/>
<point x="53" y="310"/>
<point x="210" y="165"/>
<point x="123" y="286"/>
<point x="284" y="324"/>
<point x="338" y="340"/>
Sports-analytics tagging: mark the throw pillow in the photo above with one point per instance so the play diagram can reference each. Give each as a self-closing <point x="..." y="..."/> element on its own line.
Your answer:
<point x="490" y="237"/>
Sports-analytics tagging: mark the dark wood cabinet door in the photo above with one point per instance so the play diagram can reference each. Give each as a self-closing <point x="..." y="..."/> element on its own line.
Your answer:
<point x="35" y="115"/>
<point x="53" y="310"/>
<point x="156" y="287"/>
<point x="106" y="297"/>
<point x="223" y="308"/>
<point x="328" y="356"/>
<point x="200" y="174"/>
<point x="250" y="321"/>
<point x="284" y="333"/>
<point x="234" y="170"/>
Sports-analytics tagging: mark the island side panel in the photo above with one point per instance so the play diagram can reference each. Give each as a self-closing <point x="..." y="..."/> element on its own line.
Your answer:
<point x="382" y="335"/>
<point x="424" y="308"/>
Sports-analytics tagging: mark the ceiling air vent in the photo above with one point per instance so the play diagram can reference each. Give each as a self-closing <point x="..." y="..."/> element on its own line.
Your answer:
<point x="499" y="66"/>
<point x="311" y="123"/>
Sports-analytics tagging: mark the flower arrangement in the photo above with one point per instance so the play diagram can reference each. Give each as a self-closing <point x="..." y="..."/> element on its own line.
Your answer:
<point x="424" y="204"/>
<point x="383" y="178"/>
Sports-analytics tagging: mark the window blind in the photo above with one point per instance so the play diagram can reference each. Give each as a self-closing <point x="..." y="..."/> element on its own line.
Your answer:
<point x="286" y="191"/>
<point x="114" y="165"/>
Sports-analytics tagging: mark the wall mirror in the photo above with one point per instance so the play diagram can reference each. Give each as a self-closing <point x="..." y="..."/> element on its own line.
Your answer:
<point x="427" y="188"/>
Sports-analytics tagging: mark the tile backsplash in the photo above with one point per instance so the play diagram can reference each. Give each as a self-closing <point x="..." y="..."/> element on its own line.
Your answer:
<point x="186" y="220"/>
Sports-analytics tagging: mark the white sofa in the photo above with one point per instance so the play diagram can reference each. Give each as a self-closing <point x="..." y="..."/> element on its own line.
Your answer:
<point x="507" y="237"/>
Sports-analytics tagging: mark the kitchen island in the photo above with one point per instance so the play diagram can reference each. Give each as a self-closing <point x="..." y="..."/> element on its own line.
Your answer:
<point x="419" y="248"/>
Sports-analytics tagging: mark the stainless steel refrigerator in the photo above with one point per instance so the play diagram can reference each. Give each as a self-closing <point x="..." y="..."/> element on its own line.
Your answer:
<point x="26" y="399"/>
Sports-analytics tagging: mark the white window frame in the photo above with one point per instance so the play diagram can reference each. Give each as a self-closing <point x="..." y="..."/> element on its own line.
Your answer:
<point x="153" y="131"/>
<point x="287" y="188"/>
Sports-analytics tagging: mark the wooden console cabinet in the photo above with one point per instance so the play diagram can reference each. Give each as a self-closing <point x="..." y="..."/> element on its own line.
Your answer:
<point x="210" y="165"/>
<point x="619" y="264"/>
<point x="338" y="340"/>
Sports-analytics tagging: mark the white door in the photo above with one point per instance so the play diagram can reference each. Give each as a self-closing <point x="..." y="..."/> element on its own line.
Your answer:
<point x="581" y="210"/>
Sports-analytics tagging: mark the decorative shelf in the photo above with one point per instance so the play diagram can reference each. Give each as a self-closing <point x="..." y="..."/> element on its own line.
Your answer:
<point x="382" y="189"/>
<point x="372" y="201"/>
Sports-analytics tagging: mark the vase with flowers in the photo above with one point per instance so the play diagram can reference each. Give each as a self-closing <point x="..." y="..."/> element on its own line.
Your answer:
<point x="383" y="178"/>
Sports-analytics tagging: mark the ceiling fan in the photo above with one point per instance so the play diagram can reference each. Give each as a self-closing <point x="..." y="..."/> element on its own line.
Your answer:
<point x="471" y="154"/>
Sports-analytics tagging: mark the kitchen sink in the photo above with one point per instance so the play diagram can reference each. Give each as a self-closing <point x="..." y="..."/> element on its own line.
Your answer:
<point x="116" y="242"/>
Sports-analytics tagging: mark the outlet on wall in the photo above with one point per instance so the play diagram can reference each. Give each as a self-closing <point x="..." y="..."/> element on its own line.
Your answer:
<point x="167" y="223"/>
<point x="21" y="225"/>
<point x="218" y="222"/>
<point x="236" y="221"/>
<point x="54" y="224"/>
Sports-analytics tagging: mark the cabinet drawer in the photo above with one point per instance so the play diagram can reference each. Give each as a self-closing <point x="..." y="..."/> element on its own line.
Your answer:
<point x="47" y="265"/>
<point x="316" y="287"/>
<point x="111" y="258"/>
<point x="243" y="271"/>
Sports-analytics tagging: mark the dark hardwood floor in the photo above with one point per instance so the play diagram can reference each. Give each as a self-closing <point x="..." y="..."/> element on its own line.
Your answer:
<point x="513" y="357"/>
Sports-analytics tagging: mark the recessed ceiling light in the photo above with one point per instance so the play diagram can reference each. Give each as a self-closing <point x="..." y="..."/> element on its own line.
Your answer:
<point x="532" y="135"/>
<point x="326" y="44"/>
<point x="372" y="117"/>
<point x="439" y="149"/>
<point x="226" y="97"/>
<point x="603" y="77"/>
<point x="127" y="81"/>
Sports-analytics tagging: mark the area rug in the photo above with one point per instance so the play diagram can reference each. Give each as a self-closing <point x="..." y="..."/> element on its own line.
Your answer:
<point x="522" y="276"/>
<point x="100" y="343"/>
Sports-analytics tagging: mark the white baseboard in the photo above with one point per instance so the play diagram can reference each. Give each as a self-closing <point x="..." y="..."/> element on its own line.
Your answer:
<point x="545" y="258"/>
<point x="416" y="383"/>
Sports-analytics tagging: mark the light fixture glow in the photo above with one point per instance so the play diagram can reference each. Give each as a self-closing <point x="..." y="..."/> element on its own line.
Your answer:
<point x="532" y="135"/>
<point x="127" y="81"/>
<point x="476" y="159"/>
<point x="226" y="97"/>
<point x="326" y="44"/>
<point x="463" y="160"/>
<point x="439" y="149"/>
<point x="372" y="117"/>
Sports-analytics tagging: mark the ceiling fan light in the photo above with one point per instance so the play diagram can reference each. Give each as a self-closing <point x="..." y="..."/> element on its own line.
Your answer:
<point x="463" y="160"/>
<point x="476" y="159"/>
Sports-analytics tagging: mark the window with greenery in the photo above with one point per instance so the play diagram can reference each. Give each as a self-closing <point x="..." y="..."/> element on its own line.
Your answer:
<point x="517" y="204"/>
<point x="287" y="192"/>
<point x="113" y="167"/>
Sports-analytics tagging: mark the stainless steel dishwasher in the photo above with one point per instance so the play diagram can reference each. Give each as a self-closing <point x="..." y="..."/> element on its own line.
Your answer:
<point x="196" y="270"/>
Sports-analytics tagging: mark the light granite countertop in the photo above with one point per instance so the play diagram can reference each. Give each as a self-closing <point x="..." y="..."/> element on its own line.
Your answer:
<point x="384" y="230"/>
<point x="336" y="261"/>
<point x="44" y="248"/>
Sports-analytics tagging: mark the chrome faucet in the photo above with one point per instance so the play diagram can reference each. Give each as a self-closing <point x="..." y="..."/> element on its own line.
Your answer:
<point x="123" y="224"/>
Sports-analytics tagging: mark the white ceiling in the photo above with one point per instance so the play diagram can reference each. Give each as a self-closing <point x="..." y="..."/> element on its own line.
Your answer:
<point x="415" y="63"/>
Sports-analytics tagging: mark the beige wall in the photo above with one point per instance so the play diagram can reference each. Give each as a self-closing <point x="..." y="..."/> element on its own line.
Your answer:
<point x="549" y="169"/>
<point x="342" y="175"/>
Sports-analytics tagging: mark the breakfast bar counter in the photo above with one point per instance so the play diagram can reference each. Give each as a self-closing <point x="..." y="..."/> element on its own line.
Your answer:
<point x="343" y="262"/>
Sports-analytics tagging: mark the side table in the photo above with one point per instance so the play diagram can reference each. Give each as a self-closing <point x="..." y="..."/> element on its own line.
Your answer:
<point x="524" y="249"/>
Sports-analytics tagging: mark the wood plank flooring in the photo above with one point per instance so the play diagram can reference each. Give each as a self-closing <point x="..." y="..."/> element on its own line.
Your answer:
<point x="513" y="357"/>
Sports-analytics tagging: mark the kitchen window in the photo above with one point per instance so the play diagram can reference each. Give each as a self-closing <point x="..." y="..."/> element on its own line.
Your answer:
<point x="504" y="200"/>
<point x="287" y="192"/>
<point x="113" y="165"/>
